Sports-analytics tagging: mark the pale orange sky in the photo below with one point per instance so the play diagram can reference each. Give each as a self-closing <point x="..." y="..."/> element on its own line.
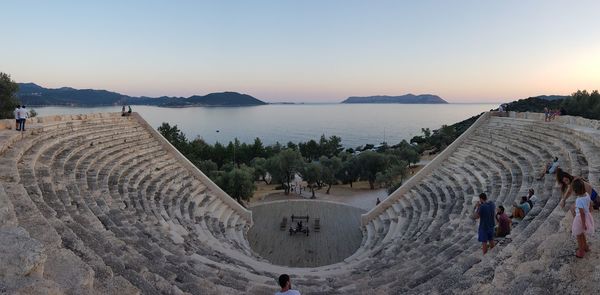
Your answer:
<point x="310" y="51"/>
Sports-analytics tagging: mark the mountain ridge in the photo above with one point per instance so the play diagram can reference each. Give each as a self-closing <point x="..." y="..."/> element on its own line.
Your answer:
<point x="36" y="95"/>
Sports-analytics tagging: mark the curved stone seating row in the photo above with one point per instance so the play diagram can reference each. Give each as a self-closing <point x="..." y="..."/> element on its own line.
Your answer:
<point x="110" y="179"/>
<point x="527" y="158"/>
<point x="104" y="197"/>
<point x="491" y="147"/>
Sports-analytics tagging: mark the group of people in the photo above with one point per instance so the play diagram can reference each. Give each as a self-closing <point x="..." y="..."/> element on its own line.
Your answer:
<point x="503" y="109"/>
<point x="550" y="115"/>
<point x="583" y="223"/>
<point x="489" y="215"/>
<point x="21" y="116"/>
<point x="525" y="205"/>
<point x="126" y="113"/>
<point x="586" y="200"/>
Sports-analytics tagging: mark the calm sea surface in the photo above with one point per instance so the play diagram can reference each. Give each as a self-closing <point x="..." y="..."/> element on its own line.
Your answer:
<point x="356" y="124"/>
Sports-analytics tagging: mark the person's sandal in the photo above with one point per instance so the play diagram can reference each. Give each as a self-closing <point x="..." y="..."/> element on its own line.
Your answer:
<point x="579" y="254"/>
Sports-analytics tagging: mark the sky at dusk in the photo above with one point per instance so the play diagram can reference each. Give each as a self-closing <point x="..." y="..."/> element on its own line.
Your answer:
<point x="306" y="51"/>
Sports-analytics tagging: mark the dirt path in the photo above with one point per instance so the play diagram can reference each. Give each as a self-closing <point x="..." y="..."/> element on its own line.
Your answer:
<point x="359" y="195"/>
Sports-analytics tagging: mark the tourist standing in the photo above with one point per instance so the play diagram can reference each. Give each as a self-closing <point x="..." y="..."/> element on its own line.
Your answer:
<point x="583" y="223"/>
<point x="17" y="121"/>
<point x="485" y="213"/>
<point x="286" y="286"/>
<point x="23" y="114"/>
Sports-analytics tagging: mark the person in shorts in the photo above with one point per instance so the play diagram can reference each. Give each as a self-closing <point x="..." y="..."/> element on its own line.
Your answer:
<point x="486" y="211"/>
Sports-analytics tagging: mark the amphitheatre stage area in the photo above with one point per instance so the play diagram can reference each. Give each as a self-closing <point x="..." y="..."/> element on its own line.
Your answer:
<point x="103" y="204"/>
<point x="338" y="236"/>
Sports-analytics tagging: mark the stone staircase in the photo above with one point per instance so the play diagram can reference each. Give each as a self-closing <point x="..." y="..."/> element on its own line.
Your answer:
<point x="99" y="203"/>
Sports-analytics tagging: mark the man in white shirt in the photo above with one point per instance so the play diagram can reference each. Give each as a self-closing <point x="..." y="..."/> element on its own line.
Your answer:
<point x="532" y="197"/>
<point x="16" y="112"/>
<point x="23" y="115"/>
<point x="286" y="286"/>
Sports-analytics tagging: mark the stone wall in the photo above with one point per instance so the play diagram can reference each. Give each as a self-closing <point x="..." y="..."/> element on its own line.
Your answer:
<point x="572" y="120"/>
<point x="10" y="123"/>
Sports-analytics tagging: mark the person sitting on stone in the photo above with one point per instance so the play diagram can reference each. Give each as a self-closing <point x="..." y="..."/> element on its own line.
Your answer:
<point x="531" y="197"/>
<point x="504" y="223"/>
<point x="520" y="210"/>
<point x="549" y="168"/>
<point x="286" y="286"/>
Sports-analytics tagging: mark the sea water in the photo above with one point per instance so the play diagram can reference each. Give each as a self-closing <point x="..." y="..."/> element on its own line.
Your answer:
<point x="356" y="124"/>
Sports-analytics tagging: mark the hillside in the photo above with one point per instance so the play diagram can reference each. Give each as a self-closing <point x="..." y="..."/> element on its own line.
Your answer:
<point x="33" y="94"/>
<point x="407" y="98"/>
<point x="536" y="103"/>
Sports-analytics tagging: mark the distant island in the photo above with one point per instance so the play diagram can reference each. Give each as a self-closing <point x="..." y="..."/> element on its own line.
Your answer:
<point x="408" y="98"/>
<point x="35" y="95"/>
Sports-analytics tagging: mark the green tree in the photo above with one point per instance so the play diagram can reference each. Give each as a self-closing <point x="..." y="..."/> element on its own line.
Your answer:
<point x="219" y="153"/>
<point x="330" y="170"/>
<point x="370" y="163"/>
<point x="392" y="177"/>
<point x="284" y="166"/>
<point x="312" y="175"/>
<point x="258" y="150"/>
<point x="8" y="99"/>
<point x="350" y="170"/>
<point x="406" y="152"/>
<point x="260" y="169"/>
<point x="199" y="150"/>
<point x="207" y="167"/>
<point x="583" y="103"/>
<point x="174" y="136"/>
<point x="291" y="145"/>
<point x="310" y="150"/>
<point x="238" y="183"/>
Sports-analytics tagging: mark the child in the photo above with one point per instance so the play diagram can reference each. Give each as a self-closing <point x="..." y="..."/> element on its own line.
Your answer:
<point x="583" y="223"/>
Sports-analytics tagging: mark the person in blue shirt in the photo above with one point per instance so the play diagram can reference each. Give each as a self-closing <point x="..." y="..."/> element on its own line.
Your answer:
<point x="485" y="213"/>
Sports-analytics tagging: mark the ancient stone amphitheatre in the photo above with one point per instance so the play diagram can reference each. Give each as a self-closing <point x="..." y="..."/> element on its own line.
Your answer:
<point x="102" y="204"/>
